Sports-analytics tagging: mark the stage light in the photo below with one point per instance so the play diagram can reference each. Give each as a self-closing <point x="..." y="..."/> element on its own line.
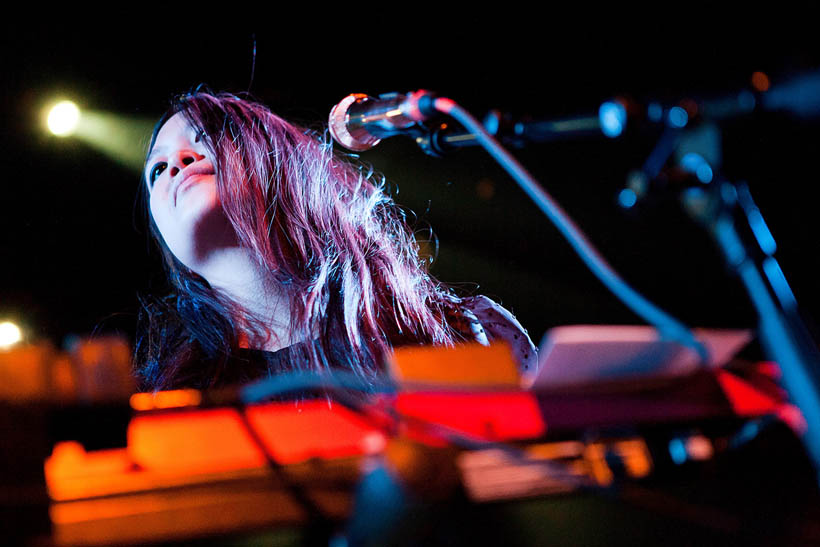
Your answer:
<point x="677" y="450"/>
<point x="9" y="334"/>
<point x="63" y="118"/>
<point x="760" y="81"/>
<point x="121" y="137"/>
<point x="677" y="117"/>
<point x="627" y="198"/>
<point x="654" y="112"/>
<point x="612" y="117"/>
<point x="695" y="164"/>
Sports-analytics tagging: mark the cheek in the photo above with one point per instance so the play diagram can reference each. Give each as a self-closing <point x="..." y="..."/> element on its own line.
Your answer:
<point x="158" y="210"/>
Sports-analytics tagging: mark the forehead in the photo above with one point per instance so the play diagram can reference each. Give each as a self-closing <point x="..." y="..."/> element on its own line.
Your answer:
<point x="175" y="128"/>
<point x="175" y="124"/>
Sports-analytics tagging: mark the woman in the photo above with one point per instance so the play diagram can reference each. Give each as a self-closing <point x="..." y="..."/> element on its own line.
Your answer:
<point x="283" y="256"/>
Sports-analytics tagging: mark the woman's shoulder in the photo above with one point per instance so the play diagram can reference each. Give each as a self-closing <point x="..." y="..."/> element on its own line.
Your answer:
<point x="481" y="319"/>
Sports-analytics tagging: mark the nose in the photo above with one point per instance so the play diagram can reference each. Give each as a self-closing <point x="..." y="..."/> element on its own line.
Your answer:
<point x="181" y="158"/>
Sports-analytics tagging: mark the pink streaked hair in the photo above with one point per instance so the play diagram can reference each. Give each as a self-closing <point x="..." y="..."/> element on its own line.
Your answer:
<point x="325" y="230"/>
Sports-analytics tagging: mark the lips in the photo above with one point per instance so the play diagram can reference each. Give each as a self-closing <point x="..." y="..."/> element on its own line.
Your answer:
<point x="189" y="172"/>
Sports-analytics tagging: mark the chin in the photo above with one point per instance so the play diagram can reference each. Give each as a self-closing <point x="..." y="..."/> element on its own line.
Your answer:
<point x="210" y="233"/>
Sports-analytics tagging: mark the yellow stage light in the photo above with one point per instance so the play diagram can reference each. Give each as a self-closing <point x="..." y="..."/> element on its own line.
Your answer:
<point x="63" y="118"/>
<point x="9" y="334"/>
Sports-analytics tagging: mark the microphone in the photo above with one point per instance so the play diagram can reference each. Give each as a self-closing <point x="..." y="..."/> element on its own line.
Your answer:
<point x="359" y="122"/>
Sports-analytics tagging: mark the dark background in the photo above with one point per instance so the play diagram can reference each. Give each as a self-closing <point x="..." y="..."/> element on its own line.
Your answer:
<point x="75" y="255"/>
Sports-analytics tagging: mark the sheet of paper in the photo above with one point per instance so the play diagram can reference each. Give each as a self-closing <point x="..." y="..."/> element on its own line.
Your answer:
<point x="577" y="354"/>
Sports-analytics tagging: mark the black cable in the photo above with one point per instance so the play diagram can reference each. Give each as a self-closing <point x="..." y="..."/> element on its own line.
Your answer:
<point x="338" y="386"/>
<point x="320" y="527"/>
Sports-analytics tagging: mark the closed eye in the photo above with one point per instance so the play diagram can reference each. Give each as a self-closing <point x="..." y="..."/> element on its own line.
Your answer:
<point x="156" y="171"/>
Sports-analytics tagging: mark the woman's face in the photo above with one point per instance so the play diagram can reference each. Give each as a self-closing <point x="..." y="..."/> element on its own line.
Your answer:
<point x="183" y="201"/>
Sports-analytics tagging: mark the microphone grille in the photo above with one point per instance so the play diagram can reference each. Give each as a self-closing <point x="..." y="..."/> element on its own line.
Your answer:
<point x="352" y="138"/>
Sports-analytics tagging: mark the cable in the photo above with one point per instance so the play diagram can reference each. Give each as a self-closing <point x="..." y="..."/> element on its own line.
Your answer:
<point x="290" y="382"/>
<point x="319" y="526"/>
<point x="667" y="325"/>
<point x="338" y="385"/>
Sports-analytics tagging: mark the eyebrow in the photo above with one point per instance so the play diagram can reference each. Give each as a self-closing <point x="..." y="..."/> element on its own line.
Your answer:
<point x="156" y="149"/>
<point x="154" y="152"/>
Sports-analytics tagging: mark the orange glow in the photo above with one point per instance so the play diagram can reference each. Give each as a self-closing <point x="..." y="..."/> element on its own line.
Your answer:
<point x="197" y="441"/>
<point x="213" y="440"/>
<point x="165" y="399"/>
<point x="633" y="453"/>
<point x="72" y="472"/>
<point x="313" y="429"/>
<point x="635" y="457"/>
<point x="595" y="457"/>
<point x="760" y="81"/>
<point x="466" y="365"/>
<point x="25" y="370"/>
<point x="554" y="451"/>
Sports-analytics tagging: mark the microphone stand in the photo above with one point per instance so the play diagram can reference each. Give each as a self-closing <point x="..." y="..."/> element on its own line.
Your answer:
<point x="783" y="334"/>
<point x="721" y="207"/>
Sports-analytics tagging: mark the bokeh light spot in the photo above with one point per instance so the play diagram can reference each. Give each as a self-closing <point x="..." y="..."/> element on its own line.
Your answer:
<point x="760" y="81"/>
<point x="63" y="118"/>
<point x="10" y="334"/>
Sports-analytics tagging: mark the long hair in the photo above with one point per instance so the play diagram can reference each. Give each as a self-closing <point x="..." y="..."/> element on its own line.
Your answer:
<point x="327" y="233"/>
